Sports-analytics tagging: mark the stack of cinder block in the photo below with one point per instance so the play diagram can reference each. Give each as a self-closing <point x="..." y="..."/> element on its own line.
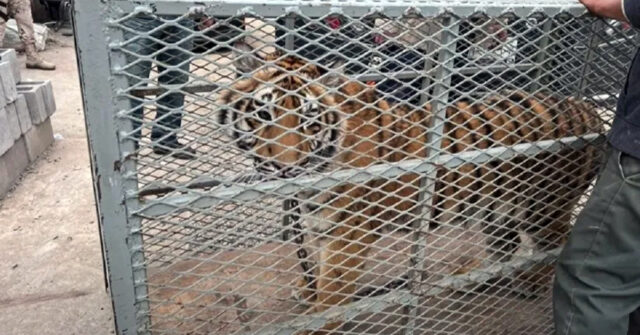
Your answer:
<point x="25" y="124"/>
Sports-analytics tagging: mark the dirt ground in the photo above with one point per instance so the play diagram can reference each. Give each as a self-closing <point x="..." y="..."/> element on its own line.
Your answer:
<point x="51" y="279"/>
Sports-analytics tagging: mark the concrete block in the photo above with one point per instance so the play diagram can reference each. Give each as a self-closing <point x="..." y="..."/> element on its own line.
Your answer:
<point x="12" y="164"/>
<point x="47" y="94"/>
<point x="6" y="139"/>
<point x="14" y="124"/>
<point x="8" y="83"/>
<point x="49" y="98"/>
<point x="3" y="99"/>
<point x="9" y="55"/>
<point x="35" y="102"/>
<point x="38" y="139"/>
<point x="24" y="118"/>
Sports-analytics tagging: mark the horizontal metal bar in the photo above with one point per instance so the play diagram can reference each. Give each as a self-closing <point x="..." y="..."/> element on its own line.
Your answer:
<point x="465" y="71"/>
<point x="229" y="191"/>
<point x="622" y="40"/>
<point x="494" y="68"/>
<point x="353" y="8"/>
<point x="338" y="313"/>
<point x="193" y="89"/>
<point x="399" y="297"/>
<point x="198" y="184"/>
<point x="389" y="75"/>
<point x="482" y="275"/>
<point x="207" y="88"/>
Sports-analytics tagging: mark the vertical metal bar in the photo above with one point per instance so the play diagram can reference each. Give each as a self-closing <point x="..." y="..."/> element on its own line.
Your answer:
<point x="128" y="169"/>
<point x="289" y="43"/>
<point x="92" y="161"/>
<point x="130" y="183"/>
<point x="541" y="56"/>
<point x="593" y="44"/>
<point x="428" y="64"/>
<point x="112" y="175"/>
<point x="289" y="23"/>
<point x="442" y="80"/>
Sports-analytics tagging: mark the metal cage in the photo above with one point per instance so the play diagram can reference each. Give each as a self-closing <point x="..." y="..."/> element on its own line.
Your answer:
<point x="342" y="167"/>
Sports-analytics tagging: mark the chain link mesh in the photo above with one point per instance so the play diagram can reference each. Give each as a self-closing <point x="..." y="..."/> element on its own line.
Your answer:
<point x="430" y="167"/>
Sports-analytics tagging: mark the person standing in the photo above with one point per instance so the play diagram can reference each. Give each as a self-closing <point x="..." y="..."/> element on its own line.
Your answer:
<point x="597" y="284"/>
<point x="20" y="10"/>
<point x="167" y="41"/>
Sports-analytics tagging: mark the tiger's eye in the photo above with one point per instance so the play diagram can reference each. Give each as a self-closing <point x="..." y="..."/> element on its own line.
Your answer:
<point x="262" y="108"/>
<point x="265" y="115"/>
<point x="314" y="127"/>
<point x="312" y="112"/>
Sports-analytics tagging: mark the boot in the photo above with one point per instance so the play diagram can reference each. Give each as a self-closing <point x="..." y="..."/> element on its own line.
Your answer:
<point x="35" y="62"/>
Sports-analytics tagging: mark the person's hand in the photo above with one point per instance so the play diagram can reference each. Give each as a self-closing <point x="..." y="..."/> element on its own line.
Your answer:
<point x="207" y="22"/>
<point x="611" y="9"/>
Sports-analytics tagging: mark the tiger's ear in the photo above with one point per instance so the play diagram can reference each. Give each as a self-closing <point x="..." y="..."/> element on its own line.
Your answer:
<point x="334" y="76"/>
<point x="245" y="60"/>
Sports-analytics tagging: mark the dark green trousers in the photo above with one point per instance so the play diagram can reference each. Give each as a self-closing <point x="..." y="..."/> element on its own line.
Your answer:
<point x="597" y="283"/>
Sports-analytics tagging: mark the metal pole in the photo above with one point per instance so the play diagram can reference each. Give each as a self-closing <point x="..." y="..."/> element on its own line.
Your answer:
<point x="439" y="106"/>
<point x="289" y="44"/>
<point x="113" y="174"/>
<point x="593" y="43"/>
<point x="541" y="56"/>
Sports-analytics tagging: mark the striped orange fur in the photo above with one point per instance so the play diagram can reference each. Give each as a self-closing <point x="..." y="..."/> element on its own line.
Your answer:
<point x="535" y="195"/>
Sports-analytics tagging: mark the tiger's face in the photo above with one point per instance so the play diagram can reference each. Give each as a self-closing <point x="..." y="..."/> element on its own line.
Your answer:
<point x="284" y="119"/>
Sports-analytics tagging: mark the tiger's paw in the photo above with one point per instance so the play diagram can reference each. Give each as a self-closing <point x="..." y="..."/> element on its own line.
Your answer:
<point x="328" y="329"/>
<point x="468" y="266"/>
<point x="533" y="282"/>
<point x="304" y="292"/>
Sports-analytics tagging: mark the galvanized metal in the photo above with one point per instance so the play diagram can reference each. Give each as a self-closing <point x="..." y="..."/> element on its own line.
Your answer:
<point x="192" y="243"/>
<point x="120" y="234"/>
<point x="319" y="8"/>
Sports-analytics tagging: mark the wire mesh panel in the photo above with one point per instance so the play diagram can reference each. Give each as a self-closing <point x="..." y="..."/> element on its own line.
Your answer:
<point x="298" y="167"/>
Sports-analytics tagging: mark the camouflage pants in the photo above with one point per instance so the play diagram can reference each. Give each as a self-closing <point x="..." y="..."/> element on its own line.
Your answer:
<point x="20" y="10"/>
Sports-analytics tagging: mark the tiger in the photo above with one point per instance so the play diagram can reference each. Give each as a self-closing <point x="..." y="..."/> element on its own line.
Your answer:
<point x="291" y="117"/>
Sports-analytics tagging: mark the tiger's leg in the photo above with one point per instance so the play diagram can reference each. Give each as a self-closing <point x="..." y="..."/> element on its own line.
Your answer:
<point x="306" y="287"/>
<point x="553" y="227"/>
<point x="549" y="219"/>
<point x="341" y="260"/>
<point x="502" y="240"/>
<point x="501" y="224"/>
<point x="548" y="232"/>
<point x="500" y="217"/>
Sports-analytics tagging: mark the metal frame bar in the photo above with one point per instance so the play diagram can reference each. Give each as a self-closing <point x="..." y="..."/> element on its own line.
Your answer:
<point x="289" y="44"/>
<point x="111" y="173"/>
<point x="317" y="8"/>
<point x="440" y="99"/>
<point x="540" y="57"/>
<point x="593" y="42"/>
<point x="285" y="188"/>
<point x="128" y="168"/>
<point x="193" y="89"/>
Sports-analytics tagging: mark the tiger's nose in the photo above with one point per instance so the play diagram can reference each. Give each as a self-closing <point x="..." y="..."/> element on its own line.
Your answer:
<point x="290" y="171"/>
<point x="276" y="169"/>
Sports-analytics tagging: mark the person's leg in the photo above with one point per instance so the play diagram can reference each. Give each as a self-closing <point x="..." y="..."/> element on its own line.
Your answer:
<point x="136" y="70"/>
<point x="173" y="70"/>
<point x="634" y="323"/>
<point x="597" y="283"/>
<point x="21" y="11"/>
<point x="4" y="17"/>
